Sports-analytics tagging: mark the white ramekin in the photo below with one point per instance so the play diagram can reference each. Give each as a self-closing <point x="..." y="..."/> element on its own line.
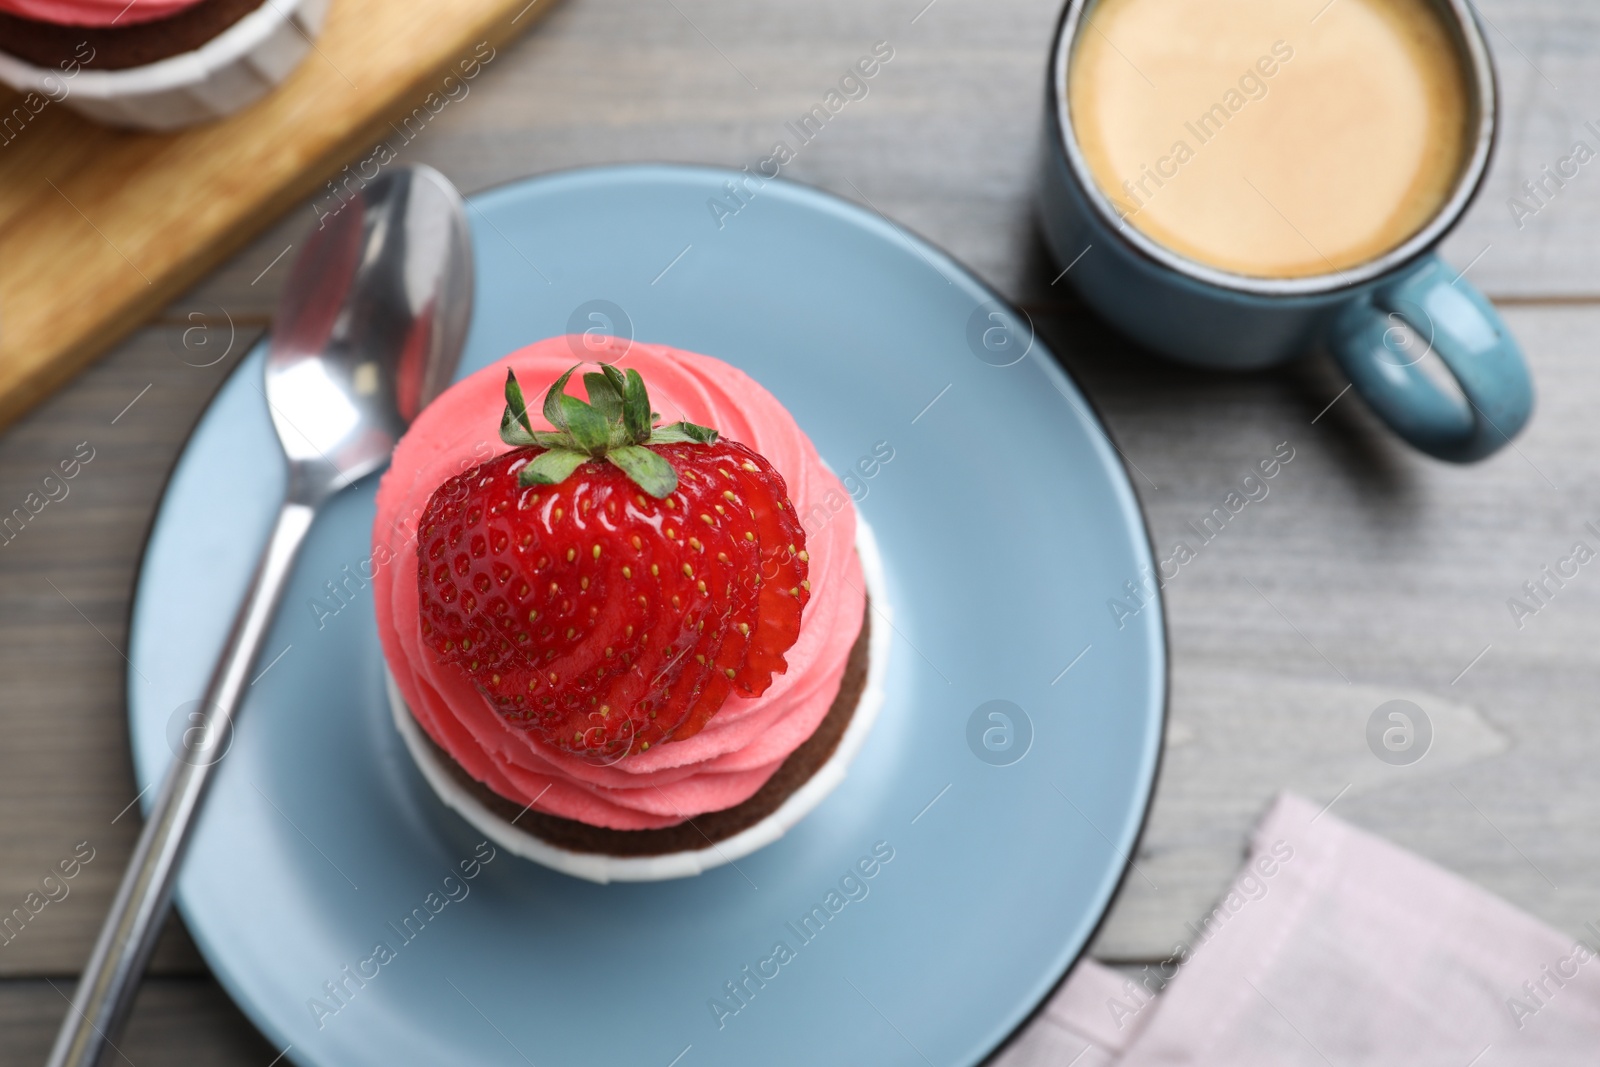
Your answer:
<point x="233" y="69"/>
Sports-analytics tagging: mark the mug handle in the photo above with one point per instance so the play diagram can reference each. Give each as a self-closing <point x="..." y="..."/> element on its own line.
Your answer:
<point x="1450" y="317"/>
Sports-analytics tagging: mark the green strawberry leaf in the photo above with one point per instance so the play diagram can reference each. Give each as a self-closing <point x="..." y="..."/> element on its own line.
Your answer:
<point x="649" y="470"/>
<point x="517" y="437"/>
<point x="604" y="396"/>
<point x="636" y="408"/>
<point x="511" y="431"/>
<point x="555" y="439"/>
<point x="586" y="424"/>
<point x="553" y="410"/>
<point x="516" y="412"/>
<point x="551" y="468"/>
<point x="619" y="381"/>
<point x="683" y="433"/>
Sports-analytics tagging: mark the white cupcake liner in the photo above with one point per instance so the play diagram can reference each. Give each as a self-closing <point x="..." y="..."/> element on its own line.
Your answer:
<point x="595" y="867"/>
<point x="235" y="68"/>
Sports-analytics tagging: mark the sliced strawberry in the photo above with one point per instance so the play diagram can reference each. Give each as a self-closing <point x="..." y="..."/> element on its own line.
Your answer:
<point x="606" y="585"/>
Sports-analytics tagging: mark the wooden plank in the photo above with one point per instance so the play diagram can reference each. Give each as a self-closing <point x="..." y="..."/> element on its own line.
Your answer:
<point x="66" y="774"/>
<point x="103" y="227"/>
<point x="174" y="1021"/>
<point x="1547" y="54"/>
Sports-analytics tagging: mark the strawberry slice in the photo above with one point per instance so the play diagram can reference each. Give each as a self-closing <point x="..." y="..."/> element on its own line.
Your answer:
<point x="781" y="576"/>
<point x="724" y="539"/>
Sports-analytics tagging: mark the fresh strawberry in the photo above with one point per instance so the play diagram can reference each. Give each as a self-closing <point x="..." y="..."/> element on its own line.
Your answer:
<point x="608" y="584"/>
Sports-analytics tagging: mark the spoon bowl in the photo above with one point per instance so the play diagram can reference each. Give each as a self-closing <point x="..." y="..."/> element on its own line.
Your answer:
<point x="369" y="327"/>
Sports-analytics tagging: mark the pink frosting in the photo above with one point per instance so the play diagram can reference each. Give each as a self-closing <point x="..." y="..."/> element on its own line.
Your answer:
<point x="747" y="740"/>
<point x="95" y="12"/>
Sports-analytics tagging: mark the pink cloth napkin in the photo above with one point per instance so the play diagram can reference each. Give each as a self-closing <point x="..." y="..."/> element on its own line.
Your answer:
<point x="1334" y="948"/>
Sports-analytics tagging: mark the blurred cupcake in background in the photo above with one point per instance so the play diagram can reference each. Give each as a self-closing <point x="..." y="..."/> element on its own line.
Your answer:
<point x="149" y="64"/>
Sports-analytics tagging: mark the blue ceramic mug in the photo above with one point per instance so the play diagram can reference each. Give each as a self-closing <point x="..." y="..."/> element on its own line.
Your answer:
<point x="1199" y="314"/>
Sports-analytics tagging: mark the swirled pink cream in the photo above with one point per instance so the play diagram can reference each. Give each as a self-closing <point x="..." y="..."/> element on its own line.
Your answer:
<point x="103" y="13"/>
<point x="746" y="741"/>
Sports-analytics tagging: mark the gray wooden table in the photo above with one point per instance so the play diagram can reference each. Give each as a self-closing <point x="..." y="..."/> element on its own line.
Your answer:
<point x="1369" y="573"/>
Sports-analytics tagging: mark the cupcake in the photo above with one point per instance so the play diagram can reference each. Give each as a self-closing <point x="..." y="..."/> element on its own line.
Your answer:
<point x="624" y="647"/>
<point x="152" y="64"/>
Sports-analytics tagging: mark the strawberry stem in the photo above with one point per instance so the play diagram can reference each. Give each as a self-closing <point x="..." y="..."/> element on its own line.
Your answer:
<point x="616" y="426"/>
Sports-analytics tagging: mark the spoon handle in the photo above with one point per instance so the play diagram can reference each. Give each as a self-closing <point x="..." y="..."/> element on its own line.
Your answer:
<point x="105" y="992"/>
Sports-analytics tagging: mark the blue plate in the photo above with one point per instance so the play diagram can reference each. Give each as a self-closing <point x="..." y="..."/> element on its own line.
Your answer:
<point x="995" y="803"/>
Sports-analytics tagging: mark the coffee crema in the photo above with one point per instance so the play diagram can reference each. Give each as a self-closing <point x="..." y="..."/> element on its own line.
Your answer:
<point x="1266" y="138"/>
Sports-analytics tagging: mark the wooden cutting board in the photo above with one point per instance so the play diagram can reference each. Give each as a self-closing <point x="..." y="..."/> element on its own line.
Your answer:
<point x="101" y="228"/>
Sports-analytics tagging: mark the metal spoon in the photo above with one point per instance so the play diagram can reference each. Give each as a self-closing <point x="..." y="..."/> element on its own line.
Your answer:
<point x="369" y="329"/>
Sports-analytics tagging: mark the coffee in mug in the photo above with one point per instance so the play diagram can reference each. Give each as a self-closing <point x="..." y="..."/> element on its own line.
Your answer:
<point x="1272" y="138"/>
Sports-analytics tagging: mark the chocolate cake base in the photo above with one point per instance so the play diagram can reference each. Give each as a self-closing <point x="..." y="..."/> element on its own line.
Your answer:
<point x="702" y="830"/>
<point x="48" y="44"/>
